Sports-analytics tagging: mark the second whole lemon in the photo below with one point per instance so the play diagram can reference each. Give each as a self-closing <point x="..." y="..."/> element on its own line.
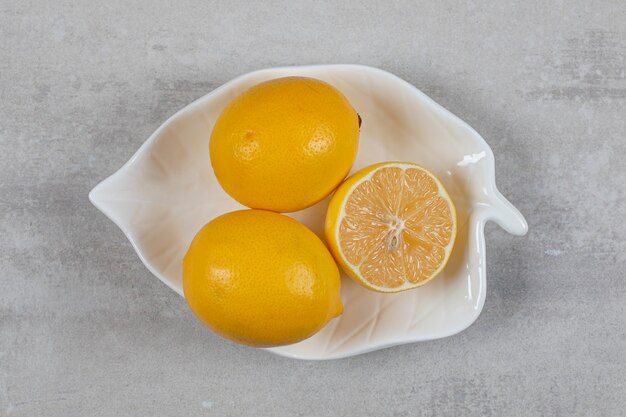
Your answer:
<point x="284" y="144"/>
<point x="261" y="278"/>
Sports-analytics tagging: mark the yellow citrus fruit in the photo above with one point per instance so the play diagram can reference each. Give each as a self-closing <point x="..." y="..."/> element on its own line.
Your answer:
<point x="284" y="144"/>
<point x="261" y="278"/>
<point x="391" y="226"/>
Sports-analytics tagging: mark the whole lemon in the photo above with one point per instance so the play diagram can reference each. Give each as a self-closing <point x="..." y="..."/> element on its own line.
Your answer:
<point x="261" y="278"/>
<point x="284" y="144"/>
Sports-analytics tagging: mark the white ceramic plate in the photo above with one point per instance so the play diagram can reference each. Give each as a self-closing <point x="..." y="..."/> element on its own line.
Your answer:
<point x="167" y="191"/>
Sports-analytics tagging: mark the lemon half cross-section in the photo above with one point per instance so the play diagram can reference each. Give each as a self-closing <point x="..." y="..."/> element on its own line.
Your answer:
<point x="391" y="226"/>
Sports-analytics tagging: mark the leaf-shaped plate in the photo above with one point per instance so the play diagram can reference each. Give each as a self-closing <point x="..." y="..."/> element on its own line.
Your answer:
<point x="167" y="191"/>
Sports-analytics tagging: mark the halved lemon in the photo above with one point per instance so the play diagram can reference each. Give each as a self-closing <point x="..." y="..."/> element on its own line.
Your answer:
<point x="391" y="226"/>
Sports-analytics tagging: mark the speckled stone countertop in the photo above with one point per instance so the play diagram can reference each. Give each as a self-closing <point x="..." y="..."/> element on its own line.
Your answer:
<point x="86" y="330"/>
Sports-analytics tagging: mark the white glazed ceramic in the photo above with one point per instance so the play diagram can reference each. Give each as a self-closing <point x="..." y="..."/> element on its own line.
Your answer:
<point x="167" y="191"/>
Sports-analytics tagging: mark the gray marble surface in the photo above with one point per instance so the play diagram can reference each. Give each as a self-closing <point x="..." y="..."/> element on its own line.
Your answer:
<point x="86" y="330"/>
